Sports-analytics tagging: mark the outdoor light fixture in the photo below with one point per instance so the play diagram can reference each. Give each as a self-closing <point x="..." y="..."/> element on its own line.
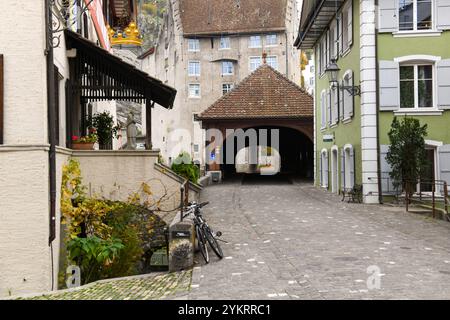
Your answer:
<point x="332" y="72"/>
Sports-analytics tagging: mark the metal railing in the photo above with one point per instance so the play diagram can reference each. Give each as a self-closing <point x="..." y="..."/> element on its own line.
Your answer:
<point x="184" y="197"/>
<point x="429" y="193"/>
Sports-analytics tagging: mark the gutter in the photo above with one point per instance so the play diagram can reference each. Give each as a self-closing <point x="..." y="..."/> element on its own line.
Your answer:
<point x="377" y="99"/>
<point x="51" y="118"/>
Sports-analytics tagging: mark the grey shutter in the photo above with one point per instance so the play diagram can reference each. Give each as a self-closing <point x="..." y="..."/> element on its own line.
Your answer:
<point x="352" y="167"/>
<point x="341" y="101"/>
<point x="389" y="85"/>
<point x="342" y="169"/>
<point x="350" y="24"/>
<point x="340" y="33"/>
<point x="443" y="14"/>
<point x="336" y="40"/>
<point x="444" y="163"/>
<point x="321" y="170"/>
<point x="348" y="98"/>
<point x="335" y="105"/>
<point x="386" y="183"/>
<point x="388" y="16"/>
<point x="443" y="82"/>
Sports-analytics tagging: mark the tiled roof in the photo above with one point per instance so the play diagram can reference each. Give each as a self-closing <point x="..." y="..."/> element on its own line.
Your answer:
<point x="207" y="17"/>
<point x="264" y="94"/>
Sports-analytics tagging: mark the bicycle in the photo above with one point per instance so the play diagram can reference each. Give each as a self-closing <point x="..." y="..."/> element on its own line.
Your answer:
<point x="204" y="233"/>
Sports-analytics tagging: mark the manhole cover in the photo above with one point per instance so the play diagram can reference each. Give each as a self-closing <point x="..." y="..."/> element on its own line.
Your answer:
<point x="405" y="248"/>
<point x="444" y="272"/>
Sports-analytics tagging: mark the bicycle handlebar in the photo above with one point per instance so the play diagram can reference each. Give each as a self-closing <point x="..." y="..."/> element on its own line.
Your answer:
<point x="201" y="205"/>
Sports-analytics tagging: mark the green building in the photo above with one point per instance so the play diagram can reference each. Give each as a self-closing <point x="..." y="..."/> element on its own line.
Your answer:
<point x="391" y="58"/>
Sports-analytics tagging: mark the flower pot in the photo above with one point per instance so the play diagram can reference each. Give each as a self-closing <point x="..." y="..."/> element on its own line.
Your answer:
<point x="82" y="145"/>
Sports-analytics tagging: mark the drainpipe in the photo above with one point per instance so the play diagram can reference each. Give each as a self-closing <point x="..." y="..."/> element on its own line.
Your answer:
<point x="51" y="116"/>
<point x="380" y="189"/>
<point x="287" y="58"/>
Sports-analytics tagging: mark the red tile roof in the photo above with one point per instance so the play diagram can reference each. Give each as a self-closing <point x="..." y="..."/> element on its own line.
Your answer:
<point x="209" y="17"/>
<point x="264" y="94"/>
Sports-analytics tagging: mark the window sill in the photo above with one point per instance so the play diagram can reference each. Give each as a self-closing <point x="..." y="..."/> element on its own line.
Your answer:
<point x="408" y="34"/>
<point x="224" y="49"/>
<point x="196" y="98"/>
<point x="346" y="120"/>
<point x="419" y="112"/>
<point x="333" y="125"/>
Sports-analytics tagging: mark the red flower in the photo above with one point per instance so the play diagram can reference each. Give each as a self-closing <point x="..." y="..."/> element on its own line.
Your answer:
<point x="75" y="138"/>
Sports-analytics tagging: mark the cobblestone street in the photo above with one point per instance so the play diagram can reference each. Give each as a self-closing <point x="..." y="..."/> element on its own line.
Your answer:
<point x="292" y="241"/>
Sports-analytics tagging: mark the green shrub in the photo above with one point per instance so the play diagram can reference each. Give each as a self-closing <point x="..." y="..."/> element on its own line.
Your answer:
<point x="183" y="166"/>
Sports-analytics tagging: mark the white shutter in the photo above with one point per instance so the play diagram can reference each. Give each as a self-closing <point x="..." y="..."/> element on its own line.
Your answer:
<point x="341" y="101"/>
<point x="444" y="163"/>
<point x="321" y="170"/>
<point x="340" y="29"/>
<point x="350" y="24"/>
<point x="388" y="16"/>
<point x="342" y="169"/>
<point x="335" y="105"/>
<point x="389" y="85"/>
<point x="386" y="182"/>
<point x="443" y="83"/>
<point x="334" y="28"/>
<point x="323" y="114"/>
<point x="329" y="111"/>
<point x="352" y="167"/>
<point x="348" y="98"/>
<point x="443" y="14"/>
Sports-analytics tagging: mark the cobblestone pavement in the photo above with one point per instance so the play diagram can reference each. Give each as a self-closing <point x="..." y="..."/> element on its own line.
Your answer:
<point x="148" y="287"/>
<point x="293" y="241"/>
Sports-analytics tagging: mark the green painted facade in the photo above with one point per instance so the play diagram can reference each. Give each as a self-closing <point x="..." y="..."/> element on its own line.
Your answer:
<point x="390" y="47"/>
<point x="348" y="132"/>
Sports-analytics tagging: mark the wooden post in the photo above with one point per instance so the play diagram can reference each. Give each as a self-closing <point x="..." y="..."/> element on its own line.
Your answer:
<point x="148" y="124"/>
<point x="1" y="98"/>
<point x="446" y="197"/>
<point x="433" y="189"/>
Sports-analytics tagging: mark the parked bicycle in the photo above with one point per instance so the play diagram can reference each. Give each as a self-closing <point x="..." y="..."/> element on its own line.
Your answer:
<point x="205" y="235"/>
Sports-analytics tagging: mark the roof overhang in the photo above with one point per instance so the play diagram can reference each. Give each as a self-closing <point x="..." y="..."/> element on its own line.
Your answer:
<point x="316" y="16"/>
<point x="220" y="33"/>
<point x="107" y="77"/>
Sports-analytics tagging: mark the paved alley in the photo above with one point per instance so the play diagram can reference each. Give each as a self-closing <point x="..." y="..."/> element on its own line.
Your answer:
<point x="293" y="241"/>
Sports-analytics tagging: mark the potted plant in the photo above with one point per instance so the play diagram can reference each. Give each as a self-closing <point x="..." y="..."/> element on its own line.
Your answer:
<point x="84" y="142"/>
<point x="105" y="127"/>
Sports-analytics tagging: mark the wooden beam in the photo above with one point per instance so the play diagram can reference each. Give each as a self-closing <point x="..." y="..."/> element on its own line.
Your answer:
<point x="148" y="124"/>
<point x="2" y="92"/>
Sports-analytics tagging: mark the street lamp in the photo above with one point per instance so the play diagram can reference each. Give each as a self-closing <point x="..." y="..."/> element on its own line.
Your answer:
<point x="333" y="72"/>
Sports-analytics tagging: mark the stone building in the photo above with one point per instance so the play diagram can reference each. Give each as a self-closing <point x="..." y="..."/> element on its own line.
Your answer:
<point x="204" y="49"/>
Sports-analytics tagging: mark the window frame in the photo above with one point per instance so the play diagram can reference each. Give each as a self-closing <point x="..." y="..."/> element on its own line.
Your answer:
<point x="199" y="68"/>
<point x="250" y="62"/>
<point x="228" y="42"/>
<point x="199" y="91"/>
<point x="415" y="16"/>
<point x="323" y="110"/>
<point x="231" y="85"/>
<point x="197" y="47"/>
<point x="415" y="65"/>
<point x="276" y="61"/>
<point x="223" y="65"/>
<point x="269" y="36"/>
<point x="250" y="43"/>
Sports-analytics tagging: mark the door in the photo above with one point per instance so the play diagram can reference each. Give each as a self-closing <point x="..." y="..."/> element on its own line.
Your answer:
<point x="428" y="175"/>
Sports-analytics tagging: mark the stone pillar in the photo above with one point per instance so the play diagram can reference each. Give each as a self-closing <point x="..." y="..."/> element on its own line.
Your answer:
<point x="368" y="72"/>
<point x="181" y="244"/>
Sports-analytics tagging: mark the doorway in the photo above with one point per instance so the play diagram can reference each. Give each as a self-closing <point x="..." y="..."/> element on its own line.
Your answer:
<point x="429" y="172"/>
<point x="334" y="170"/>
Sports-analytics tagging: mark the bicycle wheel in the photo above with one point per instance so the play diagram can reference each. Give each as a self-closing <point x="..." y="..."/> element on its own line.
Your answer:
<point x="213" y="242"/>
<point x="202" y="243"/>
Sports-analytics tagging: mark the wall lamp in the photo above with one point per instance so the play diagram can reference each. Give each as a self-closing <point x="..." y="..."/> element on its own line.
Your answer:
<point x="333" y="72"/>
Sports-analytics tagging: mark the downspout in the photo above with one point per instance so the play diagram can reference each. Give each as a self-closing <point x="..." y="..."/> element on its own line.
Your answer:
<point x="51" y="116"/>
<point x="287" y="58"/>
<point x="377" y="99"/>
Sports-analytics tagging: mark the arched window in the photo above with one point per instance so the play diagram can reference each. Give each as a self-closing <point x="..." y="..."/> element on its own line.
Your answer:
<point x="347" y="167"/>
<point x="324" y="168"/>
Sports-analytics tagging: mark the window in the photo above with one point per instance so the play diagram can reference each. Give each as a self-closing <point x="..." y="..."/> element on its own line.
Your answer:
<point x="225" y="43"/>
<point x="415" y="15"/>
<point x="416" y="86"/>
<point x="193" y="45"/>
<point x="255" y="63"/>
<point x="271" y="40"/>
<point x="323" y="109"/>
<point x="227" y="68"/>
<point x="345" y="28"/>
<point x="273" y="62"/>
<point x="255" y="42"/>
<point x="194" y="90"/>
<point x="194" y="68"/>
<point x="227" y="87"/>
<point x="324" y="168"/>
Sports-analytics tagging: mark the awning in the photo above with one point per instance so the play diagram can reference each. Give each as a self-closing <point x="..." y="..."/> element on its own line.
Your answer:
<point x="98" y="75"/>
<point x="316" y="16"/>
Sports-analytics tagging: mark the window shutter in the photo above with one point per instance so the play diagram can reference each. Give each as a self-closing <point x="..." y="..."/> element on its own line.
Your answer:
<point x="1" y="99"/>
<point x="389" y="85"/>
<point x="340" y="28"/>
<point x="326" y="170"/>
<point x="444" y="163"/>
<point x="350" y="24"/>
<point x="321" y="170"/>
<point x="443" y="14"/>
<point x="386" y="183"/>
<point x="329" y="111"/>
<point x="348" y="98"/>
<point x="352" y="167"/>
<point x="335" y="93"/>
<point x="336" y="40"/>
<point x="443" y="81"/>
<point x="341" y="101"/>
<point x="388" y="16"/>
<point x="342" y="169"/>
